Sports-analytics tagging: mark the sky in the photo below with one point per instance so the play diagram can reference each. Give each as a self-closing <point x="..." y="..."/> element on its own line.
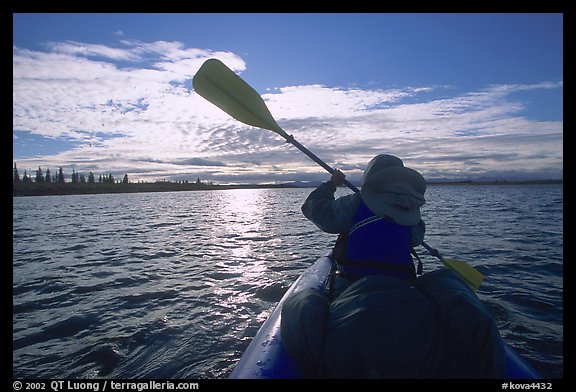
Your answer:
<point x="456" y="96"/>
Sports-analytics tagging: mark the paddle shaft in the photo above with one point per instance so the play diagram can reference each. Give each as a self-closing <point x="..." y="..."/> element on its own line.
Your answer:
<point x="433" y="252"/>
<point x="290" y="139"/>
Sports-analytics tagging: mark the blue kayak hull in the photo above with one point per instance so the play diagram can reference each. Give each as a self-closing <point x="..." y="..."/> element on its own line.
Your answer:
<point x="266" y="357"/>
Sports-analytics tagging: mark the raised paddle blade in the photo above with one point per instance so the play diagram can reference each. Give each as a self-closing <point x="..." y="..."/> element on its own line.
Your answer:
<point x="221" y="86"/>
<point x="468" y="273"/>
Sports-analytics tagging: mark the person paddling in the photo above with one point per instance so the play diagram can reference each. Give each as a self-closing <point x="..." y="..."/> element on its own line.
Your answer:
<point x="385" y="213"/>
<point x="378" y="319"/>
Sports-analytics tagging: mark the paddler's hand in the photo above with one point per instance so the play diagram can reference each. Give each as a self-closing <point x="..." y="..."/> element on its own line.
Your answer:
<point x="337" y="178"/>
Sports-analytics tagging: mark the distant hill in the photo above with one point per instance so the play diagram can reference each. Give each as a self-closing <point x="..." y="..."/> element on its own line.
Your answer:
<point x="496" y="182"/>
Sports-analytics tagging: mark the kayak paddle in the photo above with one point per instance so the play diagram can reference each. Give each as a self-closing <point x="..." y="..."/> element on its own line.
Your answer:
<point x="224" y="88"/>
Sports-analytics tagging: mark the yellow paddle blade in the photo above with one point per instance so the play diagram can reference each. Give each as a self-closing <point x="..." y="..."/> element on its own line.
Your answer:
<point x="220" y="85"/>
<point x="465" y="271"/>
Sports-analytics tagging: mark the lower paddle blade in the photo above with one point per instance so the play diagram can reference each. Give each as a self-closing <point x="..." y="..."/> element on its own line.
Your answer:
<point x="221" y="86"/>
<point x="465" y="271"/>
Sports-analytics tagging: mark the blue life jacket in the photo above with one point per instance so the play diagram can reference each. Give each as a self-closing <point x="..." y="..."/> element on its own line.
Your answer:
<point x="374" y="245"/>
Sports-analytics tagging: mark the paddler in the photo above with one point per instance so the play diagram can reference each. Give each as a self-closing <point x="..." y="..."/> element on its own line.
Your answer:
<point x="384" y="215"/>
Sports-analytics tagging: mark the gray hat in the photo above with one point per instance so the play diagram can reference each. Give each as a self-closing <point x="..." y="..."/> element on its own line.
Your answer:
<point x="392" y="190"/>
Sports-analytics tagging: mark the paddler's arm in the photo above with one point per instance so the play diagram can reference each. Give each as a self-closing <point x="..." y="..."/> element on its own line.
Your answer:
<point x="329" y="214"/>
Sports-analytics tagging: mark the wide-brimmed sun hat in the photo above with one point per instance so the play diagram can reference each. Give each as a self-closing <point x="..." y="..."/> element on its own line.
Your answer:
<point x="392" y="190"/>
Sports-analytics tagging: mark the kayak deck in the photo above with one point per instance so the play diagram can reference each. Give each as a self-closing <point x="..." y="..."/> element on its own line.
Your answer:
<point x="266" y="357"/>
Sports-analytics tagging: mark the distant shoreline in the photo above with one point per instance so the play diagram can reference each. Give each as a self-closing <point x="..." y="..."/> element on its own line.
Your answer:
<point x="497" y="182"/>
<point x="56" y="189"/>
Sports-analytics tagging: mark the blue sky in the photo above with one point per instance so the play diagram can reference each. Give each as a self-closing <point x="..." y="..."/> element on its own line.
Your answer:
<point x="467" y="96"/>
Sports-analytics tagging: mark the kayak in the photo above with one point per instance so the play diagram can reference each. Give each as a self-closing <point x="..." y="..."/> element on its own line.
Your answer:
<point x="266" y="357"/>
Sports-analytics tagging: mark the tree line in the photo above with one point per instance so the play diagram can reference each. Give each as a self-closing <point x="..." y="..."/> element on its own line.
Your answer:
<point x="59" y="177"/>
<point x="43" y="183"/>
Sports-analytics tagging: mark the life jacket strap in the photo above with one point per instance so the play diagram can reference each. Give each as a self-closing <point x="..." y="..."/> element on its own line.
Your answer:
<point x="419" y="269"/>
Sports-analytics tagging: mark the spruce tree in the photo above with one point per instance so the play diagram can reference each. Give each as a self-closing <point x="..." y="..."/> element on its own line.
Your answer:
<point x="60" y="176"/>
<point x="15" y="175"/>
<point x="39" y="175"/>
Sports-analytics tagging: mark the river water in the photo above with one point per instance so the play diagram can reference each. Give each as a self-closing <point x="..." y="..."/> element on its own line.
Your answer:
<point x="176" y="284"/>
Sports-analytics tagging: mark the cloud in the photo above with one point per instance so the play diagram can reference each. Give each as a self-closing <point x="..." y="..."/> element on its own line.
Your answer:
<point x="92" y="50"/>
<point x="131" y="108"/>
<point x="199" y="162"/>
<point x="319" y="101"/>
